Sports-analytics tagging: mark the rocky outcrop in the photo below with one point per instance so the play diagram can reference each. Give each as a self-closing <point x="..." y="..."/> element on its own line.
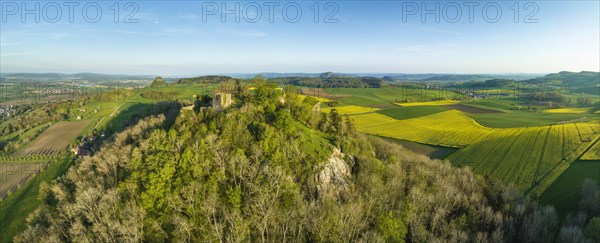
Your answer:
<point x="334" y="177"/>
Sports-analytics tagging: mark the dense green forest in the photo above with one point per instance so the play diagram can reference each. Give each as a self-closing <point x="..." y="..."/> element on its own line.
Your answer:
<point x="271" y="170"/>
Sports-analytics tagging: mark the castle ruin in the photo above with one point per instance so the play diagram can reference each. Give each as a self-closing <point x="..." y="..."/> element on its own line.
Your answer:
<point x="221" y="100"/>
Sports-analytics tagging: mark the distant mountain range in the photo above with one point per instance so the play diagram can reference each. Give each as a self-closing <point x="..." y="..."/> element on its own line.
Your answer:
<point x="56" y="77"/>
<point x="398" y="76"/>
<point x="585" y="81"/>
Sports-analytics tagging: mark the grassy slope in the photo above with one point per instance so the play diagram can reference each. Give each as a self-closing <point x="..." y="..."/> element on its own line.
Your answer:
<point x="123" y="109"/>
<point x="313" y="142"/>
<point x="564" y="192"/>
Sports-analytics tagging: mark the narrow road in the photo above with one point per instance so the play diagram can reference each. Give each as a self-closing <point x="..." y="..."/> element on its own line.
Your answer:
<point x="115" y="111"/>
<point x="111" y="114"/>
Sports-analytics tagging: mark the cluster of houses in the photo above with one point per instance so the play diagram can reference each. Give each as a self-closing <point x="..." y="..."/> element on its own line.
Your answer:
<point x="8" y="110"/>
<point x="86" y="146"/>
<point x="472" y="94"/>
<point x="82" y="151"/>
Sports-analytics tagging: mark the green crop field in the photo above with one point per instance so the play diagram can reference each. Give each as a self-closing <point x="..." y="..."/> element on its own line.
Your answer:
<point x="496" y="104"/>
<point x="409" y="112"/>
<point x="525" y="118"/>
<point x="531" y="158"/>
<point x="385" y="97"/>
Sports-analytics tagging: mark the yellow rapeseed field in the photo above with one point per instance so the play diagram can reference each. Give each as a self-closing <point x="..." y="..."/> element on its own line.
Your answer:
<point x="531" y="157"/>
<point x="349" y="110"/>
<point x="593" y="153"/>
<point x="567" y="110"/>
<point x="449" y="128"/>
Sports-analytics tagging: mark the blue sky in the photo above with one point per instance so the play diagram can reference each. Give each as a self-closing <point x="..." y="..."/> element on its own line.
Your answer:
<point x="185" y="38"/>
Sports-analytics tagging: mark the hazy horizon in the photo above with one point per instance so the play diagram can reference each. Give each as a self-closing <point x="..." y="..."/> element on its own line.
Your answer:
<point x="287" y="72"/>
<point x="182" y="38"/>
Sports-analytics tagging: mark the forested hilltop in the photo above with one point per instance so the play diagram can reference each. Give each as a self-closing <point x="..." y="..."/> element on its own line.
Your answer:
<point x="324" y="80"/>
<point x="329" y="79"/>
<point x="270" y="169"/>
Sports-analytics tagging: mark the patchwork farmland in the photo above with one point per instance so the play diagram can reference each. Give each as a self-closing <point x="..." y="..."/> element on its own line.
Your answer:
<point x="54" y="140"/>
<point x="386" y="97"/>
<point x="530" y="158"/>
<point x="20" y="166"/>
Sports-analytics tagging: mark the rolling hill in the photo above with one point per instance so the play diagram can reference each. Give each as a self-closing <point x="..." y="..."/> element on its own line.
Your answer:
<point x="263" y="170"/>
<point x="581" y="82"/>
